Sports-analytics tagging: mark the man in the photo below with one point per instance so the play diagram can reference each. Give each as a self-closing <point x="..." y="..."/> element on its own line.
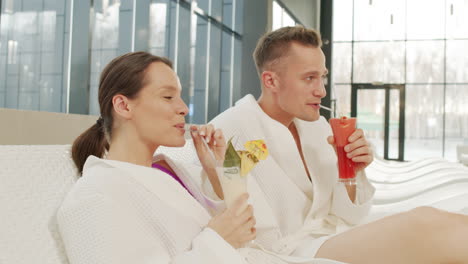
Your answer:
<point x="300" y="178"/>
<point x="298" y="182"/>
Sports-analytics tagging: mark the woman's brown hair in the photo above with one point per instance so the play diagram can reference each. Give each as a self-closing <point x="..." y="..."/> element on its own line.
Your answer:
<point x="123" y="75"/>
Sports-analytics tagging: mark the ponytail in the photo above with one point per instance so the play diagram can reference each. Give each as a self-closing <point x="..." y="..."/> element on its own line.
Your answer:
<point x="91" y="142"/>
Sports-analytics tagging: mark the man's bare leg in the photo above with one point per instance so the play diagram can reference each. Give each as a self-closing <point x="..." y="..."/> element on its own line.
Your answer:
<point x="423" y="235"/>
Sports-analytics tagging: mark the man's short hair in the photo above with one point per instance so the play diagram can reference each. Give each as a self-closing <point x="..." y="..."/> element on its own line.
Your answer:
<point x="275" y="44"/>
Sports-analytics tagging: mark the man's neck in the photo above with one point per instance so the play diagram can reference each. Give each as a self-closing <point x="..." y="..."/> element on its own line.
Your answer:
<point x="271" y="108"/>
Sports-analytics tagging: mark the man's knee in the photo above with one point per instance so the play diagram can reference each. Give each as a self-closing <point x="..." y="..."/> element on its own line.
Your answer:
<point x="432" y="220"/>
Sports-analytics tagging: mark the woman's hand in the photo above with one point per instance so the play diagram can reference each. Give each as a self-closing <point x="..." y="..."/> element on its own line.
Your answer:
<point x="214" y="139"/>
<point x="237" y="228"/>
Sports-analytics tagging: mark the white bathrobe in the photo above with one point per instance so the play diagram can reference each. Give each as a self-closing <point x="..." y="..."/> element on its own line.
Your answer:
<point x="119" y="212"/>
<point x="304" y="209"/>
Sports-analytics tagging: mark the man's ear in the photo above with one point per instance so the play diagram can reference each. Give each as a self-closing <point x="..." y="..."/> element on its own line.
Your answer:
<point x="270" y="81"/>
<point x="121" y="106"/>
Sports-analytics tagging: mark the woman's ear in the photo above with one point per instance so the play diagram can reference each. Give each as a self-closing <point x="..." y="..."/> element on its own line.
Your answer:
<point x="270" y="81"/>
<point x="121" y="106"/>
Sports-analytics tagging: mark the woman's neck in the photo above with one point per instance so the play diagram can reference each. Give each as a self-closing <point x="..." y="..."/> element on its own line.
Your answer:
<point x="124" y="147"/>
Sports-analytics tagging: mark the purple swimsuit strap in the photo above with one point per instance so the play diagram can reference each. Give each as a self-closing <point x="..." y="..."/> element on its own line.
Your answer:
<point x="163" y="169"/>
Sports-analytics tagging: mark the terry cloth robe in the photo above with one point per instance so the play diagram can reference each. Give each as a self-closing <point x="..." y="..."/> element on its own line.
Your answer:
<point x="306" y="210"/>
<point x="120" y="212"/>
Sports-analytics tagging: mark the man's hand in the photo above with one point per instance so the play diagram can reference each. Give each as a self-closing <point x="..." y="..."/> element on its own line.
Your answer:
<point x="358" y="149"/>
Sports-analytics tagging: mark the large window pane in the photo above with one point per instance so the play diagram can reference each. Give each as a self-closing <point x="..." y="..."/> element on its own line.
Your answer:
<point x="342" y="62"/>
<point x="32" y="68"/>
<point x="424" y="121"/>
<point x="456" y="119"/>
<point x="379" y="19"/>
<point x="342" y="20"/>
<point x="425" y="61"/>
<point x="457" y="19"/>
<point x="457" y="61"/>
<point x="426" y="19"/>
<point x="379" y="62"/>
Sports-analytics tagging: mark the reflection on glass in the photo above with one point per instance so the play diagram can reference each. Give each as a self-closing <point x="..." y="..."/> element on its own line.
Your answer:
<point x="105" y="36"/>
<point x="379" y="19"/>
<point x="457" y="61"/>
<point x="379" y="62"/>
<point x="341" y="63"/>
<point x="423" y="121"/>
<point x="425" y="61"/>
<point x="370" y="117"/>
<point x="426" y="19"/>
<point x="456" y="119"/>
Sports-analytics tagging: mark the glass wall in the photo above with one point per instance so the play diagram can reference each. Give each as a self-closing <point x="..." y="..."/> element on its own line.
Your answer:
<point x="203" y="38"/>
<point x="33" y="42"/>
<point x="282" y="17"/>
<point x="421" y="44"/>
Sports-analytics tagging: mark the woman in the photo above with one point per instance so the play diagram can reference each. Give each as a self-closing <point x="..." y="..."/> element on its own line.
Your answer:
<point x="131" y="207"/>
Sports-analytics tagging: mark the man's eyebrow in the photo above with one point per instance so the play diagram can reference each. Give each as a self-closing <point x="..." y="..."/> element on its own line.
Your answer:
<point x="170" y="88"/>
<point x="316" y="73"/>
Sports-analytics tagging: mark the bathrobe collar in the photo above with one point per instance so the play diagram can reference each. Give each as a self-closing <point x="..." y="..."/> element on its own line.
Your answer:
<point x="162" y="185"/>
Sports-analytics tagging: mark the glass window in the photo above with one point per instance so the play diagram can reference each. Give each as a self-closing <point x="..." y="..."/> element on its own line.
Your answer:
<point x="457" y="19"/>
<point x="228" y="13"/>
<point x="379" y="62"/>
<point x="341" y="62"/>
<point x="425" y="61"/>
<point x="423" y="121"/>
<point x="104" y="44"/>
<point x="456" y="119"/>
<point x="32" y="68"/>
<point x="379" y="19"/>
<point x="342" y="20"/>
<point x="277" y="16"/>
<point x="342" y="95"/>
<point x="199" y="99"/>
<point x="457" y="61"/>
<point x="426" y="19"/>
<point x="159" y="27"/>
<point x="225" y="93"/>
<point x="281" y="17"/>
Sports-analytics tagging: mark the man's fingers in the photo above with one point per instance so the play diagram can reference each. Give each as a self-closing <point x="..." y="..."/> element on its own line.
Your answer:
<point x="363" y="159"/>
<point x="365" y="150"/>
<point x="355" y="145"/>
<point x="358" y="133"/>
<point x="331" y="140"/>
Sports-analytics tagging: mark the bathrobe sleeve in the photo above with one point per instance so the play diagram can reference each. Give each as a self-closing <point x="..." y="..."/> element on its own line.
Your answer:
<point x="95" y="229"/>
<point x="353" y="213"/>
